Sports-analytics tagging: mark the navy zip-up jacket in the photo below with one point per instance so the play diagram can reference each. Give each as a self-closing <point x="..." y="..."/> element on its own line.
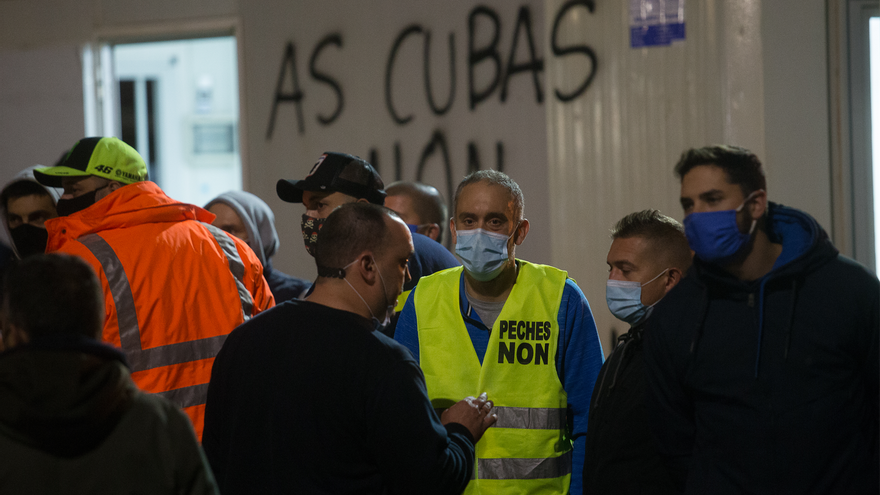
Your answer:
<point x="770" y="386"/>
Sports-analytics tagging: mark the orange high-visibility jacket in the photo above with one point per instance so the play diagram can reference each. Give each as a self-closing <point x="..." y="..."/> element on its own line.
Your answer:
<point x="174" y="286"/>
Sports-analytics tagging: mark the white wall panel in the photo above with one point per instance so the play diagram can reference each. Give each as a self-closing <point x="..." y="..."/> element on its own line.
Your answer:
<point x="613" y="150"/>
<point x="797" y="128"/>
<point x="41" y="106"/>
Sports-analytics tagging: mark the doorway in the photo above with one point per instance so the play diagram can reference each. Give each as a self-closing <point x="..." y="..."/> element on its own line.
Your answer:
<point x="177" y="103"/>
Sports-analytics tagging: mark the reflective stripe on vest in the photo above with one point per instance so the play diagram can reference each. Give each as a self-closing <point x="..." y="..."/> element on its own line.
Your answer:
<point x="527" y="418"/>
<point x="526" y="469"/>
<point x="126" y="312"/>
<point x="528" y="450"/>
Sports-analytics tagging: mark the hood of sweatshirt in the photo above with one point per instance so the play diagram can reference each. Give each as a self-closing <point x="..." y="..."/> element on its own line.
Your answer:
<point x="258" y="219"/>
<point x="805" y="247"/>
<point x="25" y="175"/>
<point x="63" y="395"/>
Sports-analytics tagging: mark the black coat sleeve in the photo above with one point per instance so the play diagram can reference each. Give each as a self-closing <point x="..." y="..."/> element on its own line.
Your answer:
<point x="414" y="451"/>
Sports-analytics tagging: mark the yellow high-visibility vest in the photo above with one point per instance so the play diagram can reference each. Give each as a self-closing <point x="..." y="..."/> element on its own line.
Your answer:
<point x="401" y="300"/>
<point x="528" y="451"/>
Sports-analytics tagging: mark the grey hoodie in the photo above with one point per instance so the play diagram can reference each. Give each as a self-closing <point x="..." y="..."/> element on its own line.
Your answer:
<point x="259" y="221"/>
<point x="26" y="174"/>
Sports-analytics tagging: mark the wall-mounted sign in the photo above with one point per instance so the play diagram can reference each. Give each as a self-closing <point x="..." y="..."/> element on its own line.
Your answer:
<point x="655" y="22"/>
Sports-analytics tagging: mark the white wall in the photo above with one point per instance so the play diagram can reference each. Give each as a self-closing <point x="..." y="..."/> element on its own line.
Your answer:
<point x="796" y="106"/>
<point x="41" y="105"/>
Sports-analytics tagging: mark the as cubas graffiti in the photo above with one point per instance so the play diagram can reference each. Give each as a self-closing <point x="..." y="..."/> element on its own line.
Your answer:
<point x="502" y="68"/>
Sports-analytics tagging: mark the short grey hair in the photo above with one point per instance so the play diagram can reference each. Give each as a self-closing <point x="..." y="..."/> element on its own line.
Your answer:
<point x="494" y="178"/>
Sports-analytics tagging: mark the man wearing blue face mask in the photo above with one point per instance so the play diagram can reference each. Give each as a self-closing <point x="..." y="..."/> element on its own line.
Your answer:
<point x="763" y="362"/>
<point x="520" y="331"/>
<point x="649" y="255"/>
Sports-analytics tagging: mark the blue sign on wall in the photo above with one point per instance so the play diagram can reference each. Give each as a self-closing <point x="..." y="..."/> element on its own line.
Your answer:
<point x="655" y="22"/>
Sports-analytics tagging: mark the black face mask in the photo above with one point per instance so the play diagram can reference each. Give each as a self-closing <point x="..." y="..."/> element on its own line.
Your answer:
<point x="310" y="228"/>
<point x="29" y="240"/>
<point x="67" y="207"/>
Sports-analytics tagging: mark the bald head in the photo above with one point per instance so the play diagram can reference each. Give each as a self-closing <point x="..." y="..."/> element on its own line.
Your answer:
<point x="349" y="231"/>
<point x="418" y="204"/>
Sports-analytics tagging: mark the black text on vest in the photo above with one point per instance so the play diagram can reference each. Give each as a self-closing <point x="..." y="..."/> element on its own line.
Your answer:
<point x="512" y="348"/>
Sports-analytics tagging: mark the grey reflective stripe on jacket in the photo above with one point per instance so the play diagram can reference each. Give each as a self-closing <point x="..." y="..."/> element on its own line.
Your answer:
<point x="193" y="395"/>
<point x="524" y="469"/>
<point x="142" y="359"/>
<point x="527" y="418"/>
<point x="236" y="266"/>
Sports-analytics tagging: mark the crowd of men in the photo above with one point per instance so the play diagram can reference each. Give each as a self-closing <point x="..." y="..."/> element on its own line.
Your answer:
<point x="151" y="347"/>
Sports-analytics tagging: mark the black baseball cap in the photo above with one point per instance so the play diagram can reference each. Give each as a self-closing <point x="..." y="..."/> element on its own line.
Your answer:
<point x="336" y="172"/>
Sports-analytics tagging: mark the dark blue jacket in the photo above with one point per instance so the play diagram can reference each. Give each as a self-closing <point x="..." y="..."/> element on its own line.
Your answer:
<point x="429" y="257"/>
<point x="770" y="386"/>
<point x="283" y="286"/>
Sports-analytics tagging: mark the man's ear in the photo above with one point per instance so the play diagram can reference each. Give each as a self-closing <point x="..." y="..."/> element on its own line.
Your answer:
<point x="366" y="266"/>
<point x="521" y="232"/>
<point x="114" y="185"/>
<point x="432" y="230"/>
<point x="673" y="277"/>
<point x="452" y="232"/>
<point x="758" y="204"/>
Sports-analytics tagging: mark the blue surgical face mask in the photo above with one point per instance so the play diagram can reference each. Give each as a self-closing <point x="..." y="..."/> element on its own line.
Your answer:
<point x="482" y="253"/>
<point x="625" y="300"/>
<point x="714" y="235"/>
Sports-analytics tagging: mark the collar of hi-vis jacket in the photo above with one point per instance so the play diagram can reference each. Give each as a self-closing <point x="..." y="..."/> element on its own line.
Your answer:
<point x="134" y="204"/>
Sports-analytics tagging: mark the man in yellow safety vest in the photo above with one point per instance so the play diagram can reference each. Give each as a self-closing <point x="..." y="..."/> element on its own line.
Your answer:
<point x="519" y="331"/>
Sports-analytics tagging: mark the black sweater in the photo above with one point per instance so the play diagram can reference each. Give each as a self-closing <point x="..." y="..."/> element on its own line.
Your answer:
<point x="770" y="386"/>
<point x="309" y="399"/>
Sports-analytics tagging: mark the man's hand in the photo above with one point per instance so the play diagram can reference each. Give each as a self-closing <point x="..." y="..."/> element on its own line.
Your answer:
<point x="475" y="414"/>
